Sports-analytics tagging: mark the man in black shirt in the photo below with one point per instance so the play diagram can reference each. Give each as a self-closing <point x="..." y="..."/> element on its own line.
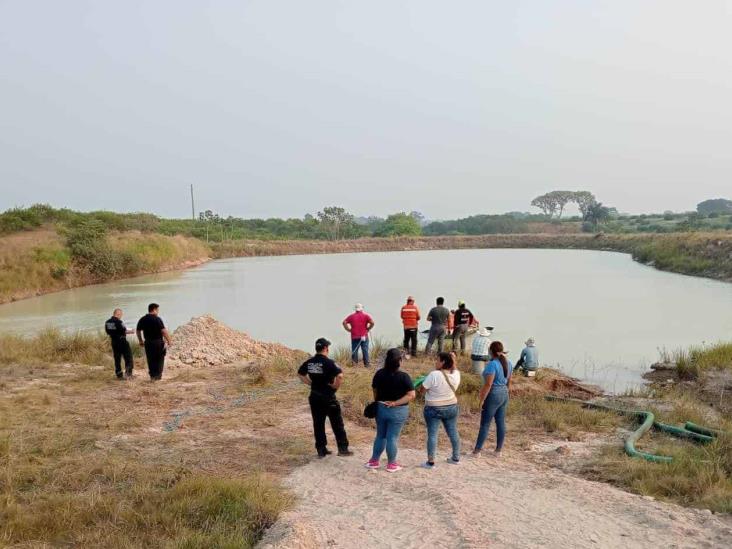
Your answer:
<point x="463" y="320"/>
<point x="117" y="332"/>
<point x="152" y="327"/>
<point x="324" y="377"/>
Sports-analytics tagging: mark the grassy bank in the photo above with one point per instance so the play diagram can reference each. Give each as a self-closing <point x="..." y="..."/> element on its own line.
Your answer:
<point x="42" y="261"/>
<point x="700" y="254"/>
<point x="37" y="262"/>
<point x="700" y="475"/>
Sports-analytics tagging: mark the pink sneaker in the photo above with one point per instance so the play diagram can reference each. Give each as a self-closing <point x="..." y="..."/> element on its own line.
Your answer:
<point x="393" y="467"/>
<point x="372" y="464"/>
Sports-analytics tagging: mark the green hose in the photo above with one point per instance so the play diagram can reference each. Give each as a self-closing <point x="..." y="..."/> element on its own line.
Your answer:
<point x="694" y="428"/>
<point x="690" y="431"/>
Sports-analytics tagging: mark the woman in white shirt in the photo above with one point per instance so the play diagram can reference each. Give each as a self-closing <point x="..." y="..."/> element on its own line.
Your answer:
<point x="441" y="406"/>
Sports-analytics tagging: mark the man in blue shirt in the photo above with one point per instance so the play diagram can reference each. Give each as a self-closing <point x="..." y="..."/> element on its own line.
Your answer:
<point x="529" y="360"/>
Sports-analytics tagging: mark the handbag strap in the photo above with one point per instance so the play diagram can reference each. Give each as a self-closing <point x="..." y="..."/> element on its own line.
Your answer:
<point x="454" y="392"/>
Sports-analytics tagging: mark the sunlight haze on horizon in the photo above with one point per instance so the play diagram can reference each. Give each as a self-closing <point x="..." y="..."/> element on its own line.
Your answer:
<point x="276" y="109"/>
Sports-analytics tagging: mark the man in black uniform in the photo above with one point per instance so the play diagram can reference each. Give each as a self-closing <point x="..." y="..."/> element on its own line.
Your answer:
<point x="464" y="319"/>
<point x="324" y="377"/>
<point x="117" y="332"/>
<point x="152" y="327"/>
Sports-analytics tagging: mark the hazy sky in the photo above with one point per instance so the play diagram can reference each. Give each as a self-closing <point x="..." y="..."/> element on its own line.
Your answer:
<point x="274" y="108"/>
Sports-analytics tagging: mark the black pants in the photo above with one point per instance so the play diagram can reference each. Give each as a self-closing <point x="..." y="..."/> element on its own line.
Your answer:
<point x="155" y="354"/>
<point x="322" y="407"/>
<point x="410" y="340"/>
<point x="121" y="349"/>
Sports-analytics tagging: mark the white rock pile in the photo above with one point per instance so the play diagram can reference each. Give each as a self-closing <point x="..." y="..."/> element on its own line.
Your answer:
<point x="204" y="341"/>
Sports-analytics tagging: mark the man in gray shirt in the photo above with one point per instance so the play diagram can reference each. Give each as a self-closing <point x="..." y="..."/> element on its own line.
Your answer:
<point x="438" y="316"/>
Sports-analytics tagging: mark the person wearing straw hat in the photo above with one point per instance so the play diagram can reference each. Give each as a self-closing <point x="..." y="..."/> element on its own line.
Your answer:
<point x="529" y="359"/>
<point x="479" y="351"/>
<point x="359" y="324"/>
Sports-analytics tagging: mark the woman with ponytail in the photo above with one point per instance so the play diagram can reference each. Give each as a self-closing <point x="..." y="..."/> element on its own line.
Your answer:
<point x="494" y="397"/>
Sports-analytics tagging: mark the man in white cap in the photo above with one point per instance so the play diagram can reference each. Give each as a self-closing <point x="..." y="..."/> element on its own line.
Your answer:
<point x="479" y="351"/>
<point x="529" y="360"/>
<point x="359" y="325"/>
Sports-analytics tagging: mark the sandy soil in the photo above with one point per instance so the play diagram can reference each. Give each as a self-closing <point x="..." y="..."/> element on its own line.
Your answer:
<point x="485" y="502"/>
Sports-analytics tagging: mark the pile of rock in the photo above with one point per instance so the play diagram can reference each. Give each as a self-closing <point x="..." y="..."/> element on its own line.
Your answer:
<point x="204" y="341"/>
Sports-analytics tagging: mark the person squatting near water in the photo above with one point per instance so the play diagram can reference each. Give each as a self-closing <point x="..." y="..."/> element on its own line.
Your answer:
<point x="324" y="377"/>
<point x="117" y="331"/>
<point x="410" y="320"/>
<point x="528" y="362"/>
<point x="359" y="324"/>
<point x="156" y="336"/>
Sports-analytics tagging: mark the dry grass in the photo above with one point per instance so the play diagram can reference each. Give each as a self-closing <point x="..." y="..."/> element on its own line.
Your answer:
<point x="85" y="461"/>
<point x="700" y="475"/>
<point x="31" y="263"/>
<point x="530" y="415"/>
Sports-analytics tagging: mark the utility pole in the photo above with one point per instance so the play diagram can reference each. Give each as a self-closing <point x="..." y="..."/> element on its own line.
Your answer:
<point x="193" y="207"/>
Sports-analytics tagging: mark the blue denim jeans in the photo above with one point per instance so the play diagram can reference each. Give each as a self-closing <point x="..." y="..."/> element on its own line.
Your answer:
<point x="448" y="416"/>
<point x="389" y="423"/>
<point x="364" y="345"/>
<point x="495" y="406"/>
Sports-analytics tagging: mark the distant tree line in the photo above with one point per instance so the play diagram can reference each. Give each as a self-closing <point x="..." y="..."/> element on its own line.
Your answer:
<point x="86" y="229"/>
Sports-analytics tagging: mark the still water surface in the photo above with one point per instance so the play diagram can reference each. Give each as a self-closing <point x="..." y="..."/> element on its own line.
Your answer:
<point x="596" y="315"/>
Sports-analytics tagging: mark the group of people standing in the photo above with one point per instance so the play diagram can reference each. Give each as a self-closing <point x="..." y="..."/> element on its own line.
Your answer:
<point x="444" y="323"/>
<point x="393" y="390"/>
<point x="152" y="335"/>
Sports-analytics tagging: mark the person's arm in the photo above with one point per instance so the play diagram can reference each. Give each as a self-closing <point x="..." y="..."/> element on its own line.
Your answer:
<point x="370" y="324"/>
<point x="418" y="315"/>
<point x="336" y="383"/>
<point x="486" y="388"/>
<point x="406" y="399"/>
<point x="429" y="316"/>
<point x="305" y="379"/>
<point x="166" y="336"/>
<point x="139" y="337"/>
<point x="346" y="325"/>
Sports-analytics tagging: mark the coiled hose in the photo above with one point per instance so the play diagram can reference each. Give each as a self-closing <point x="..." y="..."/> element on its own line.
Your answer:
<point x="690" y="431"/>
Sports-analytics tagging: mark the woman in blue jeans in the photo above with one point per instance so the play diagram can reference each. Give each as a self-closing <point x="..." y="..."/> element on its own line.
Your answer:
<point x="393" y="390"/>
<point x="441" y="406"/>
<point x="494" y="397"/>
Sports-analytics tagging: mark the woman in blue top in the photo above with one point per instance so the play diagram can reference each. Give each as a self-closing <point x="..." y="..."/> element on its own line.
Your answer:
<point x="494" y="397"/>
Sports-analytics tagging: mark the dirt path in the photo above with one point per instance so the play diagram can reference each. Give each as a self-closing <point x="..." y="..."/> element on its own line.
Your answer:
<point x="479" y="503"/>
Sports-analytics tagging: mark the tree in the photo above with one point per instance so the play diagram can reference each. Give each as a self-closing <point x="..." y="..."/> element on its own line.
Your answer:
<point x="560" y="200"/>
<point x="595" y="214"/>
<point x="584" y="200"/>
<point x="715" y="205"/>
<point x="399" y="224"/>
<point x="419" y="216"/>
<point x="336" y="221"/>
<point x="546" y="203"/>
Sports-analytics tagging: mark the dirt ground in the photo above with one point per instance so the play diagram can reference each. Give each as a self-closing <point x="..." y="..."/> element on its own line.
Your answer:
<point x="506" y="502"/>
<point x="225" y="420"/>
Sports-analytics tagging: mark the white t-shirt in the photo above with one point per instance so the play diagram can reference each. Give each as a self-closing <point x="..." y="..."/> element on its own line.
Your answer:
<point x="439" y="392"/>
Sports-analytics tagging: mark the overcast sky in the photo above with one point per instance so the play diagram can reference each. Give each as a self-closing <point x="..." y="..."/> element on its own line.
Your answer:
<point x="274" y="108"/>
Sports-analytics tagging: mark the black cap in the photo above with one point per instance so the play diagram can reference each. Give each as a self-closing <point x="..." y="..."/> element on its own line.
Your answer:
<point x="321" y="344"/>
